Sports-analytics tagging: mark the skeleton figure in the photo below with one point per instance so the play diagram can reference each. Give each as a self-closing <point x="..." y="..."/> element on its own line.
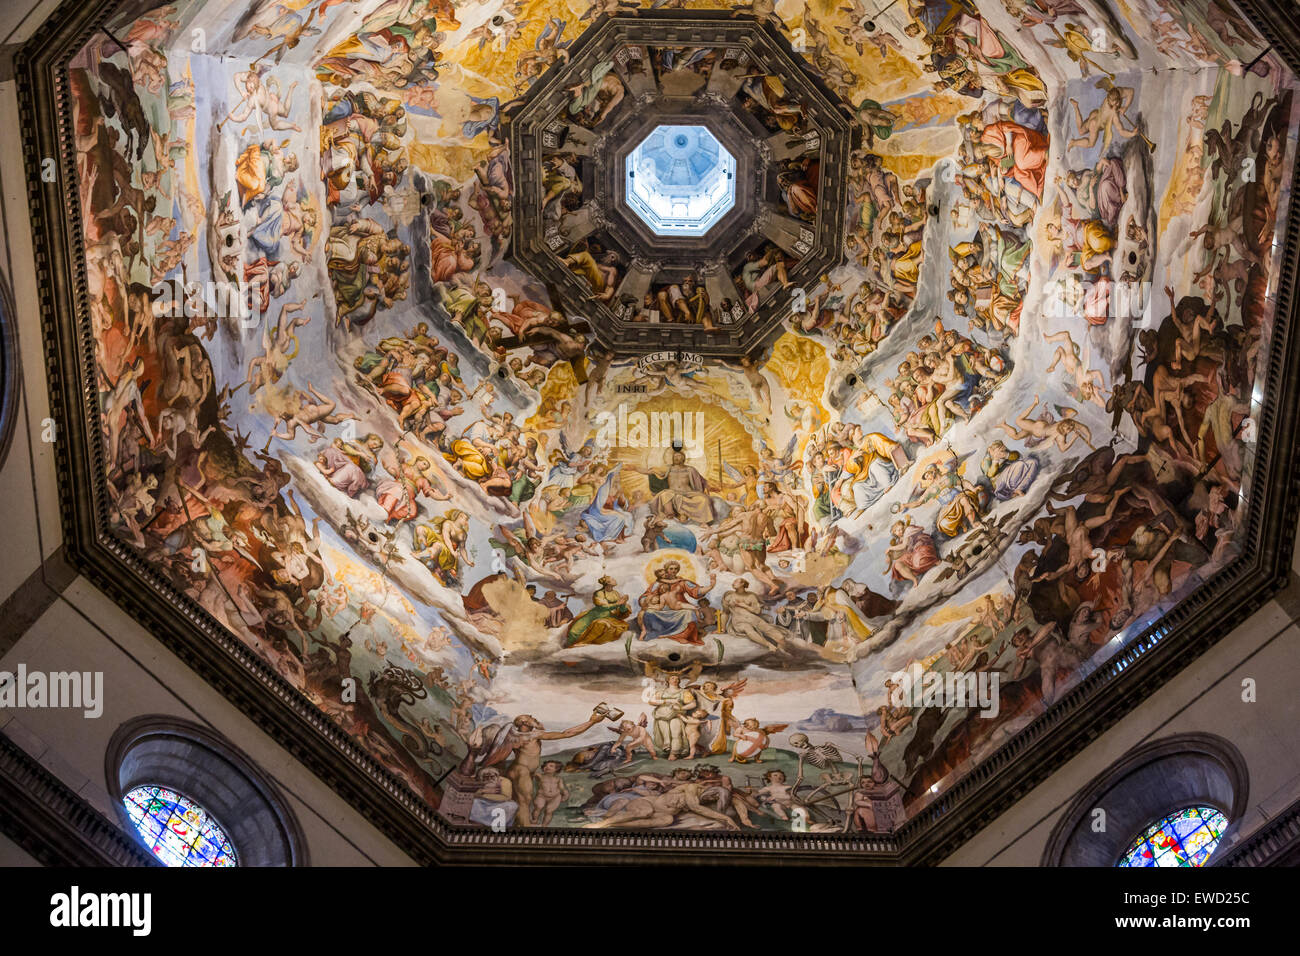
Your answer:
<point x="824" y="756"/>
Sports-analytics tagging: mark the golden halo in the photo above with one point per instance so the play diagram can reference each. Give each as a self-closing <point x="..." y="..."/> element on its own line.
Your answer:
<point x="688" y="571"/>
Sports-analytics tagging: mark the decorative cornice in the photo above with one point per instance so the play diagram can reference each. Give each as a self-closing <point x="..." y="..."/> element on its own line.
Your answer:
<point x="57" y="827"/>
<point x="1276" y="843"/>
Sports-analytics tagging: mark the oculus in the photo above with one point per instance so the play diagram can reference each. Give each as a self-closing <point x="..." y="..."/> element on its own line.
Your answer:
<point x="680" y="180"/>
<point x="677" y="194"/>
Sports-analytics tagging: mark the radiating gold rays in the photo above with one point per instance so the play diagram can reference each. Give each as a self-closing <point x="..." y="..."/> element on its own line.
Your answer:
<point x="723" y="439"/>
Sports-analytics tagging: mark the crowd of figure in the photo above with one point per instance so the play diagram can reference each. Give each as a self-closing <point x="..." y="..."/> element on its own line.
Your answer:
<point x="1118" y="530"/>
<point x="507" y="779"/>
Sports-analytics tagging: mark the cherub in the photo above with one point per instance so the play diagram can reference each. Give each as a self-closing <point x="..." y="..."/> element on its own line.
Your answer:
<point x="1106" y="120"/>
<point x="638" y="738"/>
<point x="775" y="795"/>
<point x="499" y="29"/>
<point x="670" y="375"/>
<point x="863" y="30"/>
<point x="550" y="792"/>
<point x="694" y="722"/>
<point x="752" y="740"/>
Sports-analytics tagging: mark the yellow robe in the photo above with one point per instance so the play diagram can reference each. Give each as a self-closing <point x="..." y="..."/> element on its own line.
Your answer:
<point x="472" y="462"/>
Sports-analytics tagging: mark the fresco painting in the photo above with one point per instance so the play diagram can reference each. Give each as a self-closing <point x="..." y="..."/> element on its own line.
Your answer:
<point x="547" y="585"/>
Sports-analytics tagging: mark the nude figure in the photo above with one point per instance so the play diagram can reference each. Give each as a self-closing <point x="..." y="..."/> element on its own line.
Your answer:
<point x="551" y="792"/>
<point x="1089" y="382"/>
<point x="263" y="97"/>
<point x="661" y="810"/>
<point x="1065" y="432"/>
<point x="1078" y="536"/>
<point x="1045" y="648"/>
<point x="307" y="414"/>
<point x="123" y="396"/>
<point x="526" y="737"/>
<point x="1106" y="120"/>
<point x="267" y="368"/>
<point x="754" y="376"/>
<point x="1171" y="389"/>
<point x="742" y="534"/>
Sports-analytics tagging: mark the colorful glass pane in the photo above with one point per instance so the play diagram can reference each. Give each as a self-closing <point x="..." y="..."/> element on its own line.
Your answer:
<point x="1185" y="838"/>
<point x="176" y="829"/>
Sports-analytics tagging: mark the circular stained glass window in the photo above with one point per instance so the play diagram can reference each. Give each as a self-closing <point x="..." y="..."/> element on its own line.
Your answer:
<point x="1185" y="838"/>
<point x="178" y="830"/>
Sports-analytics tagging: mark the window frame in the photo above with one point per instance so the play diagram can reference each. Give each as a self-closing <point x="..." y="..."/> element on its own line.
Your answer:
<point x="204" y="767"/>
<point x="1147" y="784"/>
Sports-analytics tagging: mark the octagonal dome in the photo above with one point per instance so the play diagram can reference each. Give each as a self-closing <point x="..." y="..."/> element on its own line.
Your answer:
<point x="653" y="175"/>
<point x="680" y="180"/>
<point x="498" y="456"/>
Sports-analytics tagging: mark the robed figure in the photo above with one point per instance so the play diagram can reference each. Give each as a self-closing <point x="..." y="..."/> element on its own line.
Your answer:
<point x="680" y="492"/>
<point x="666" y="608"/>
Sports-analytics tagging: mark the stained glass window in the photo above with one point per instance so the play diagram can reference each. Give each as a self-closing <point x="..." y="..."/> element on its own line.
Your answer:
<point x="1185" y="838"/>
<point x="178" y="830"/>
